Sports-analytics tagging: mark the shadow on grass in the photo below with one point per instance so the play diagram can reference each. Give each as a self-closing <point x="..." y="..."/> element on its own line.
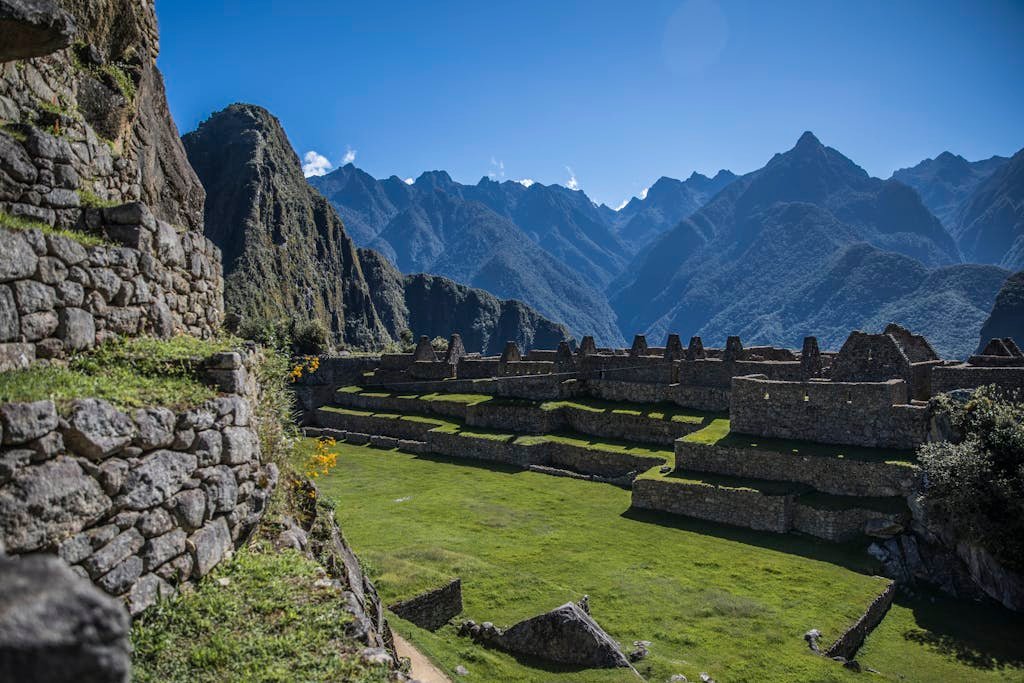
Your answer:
<point x="980" y="635"/>
<point x="499" y="467"/>
<point x="851" y="555"/>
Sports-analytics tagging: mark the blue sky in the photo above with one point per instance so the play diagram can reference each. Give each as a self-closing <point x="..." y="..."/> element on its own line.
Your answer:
<point x="613" y="94"/>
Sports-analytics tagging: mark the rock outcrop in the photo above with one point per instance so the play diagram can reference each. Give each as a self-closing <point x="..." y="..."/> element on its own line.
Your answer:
<point x="1007" y="317"/>
<point x="96" y="109"/>
<point x="56" y="626"/>
<point x="285" y="250"/>
<point x="434" y="306"/>
<point x="565" y="635"/>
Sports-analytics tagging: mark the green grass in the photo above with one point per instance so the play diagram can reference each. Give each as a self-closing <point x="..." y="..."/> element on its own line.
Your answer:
<point x="936" y="638"/>
<point x="269" y="623"/>
<point x="91" y="200"/>
<point x="717" y="433"/>
<point x="17" y="223"/>
<point x="731" y="602"/>
<point x="121" y="80"/>
<point x="130" y="373"/>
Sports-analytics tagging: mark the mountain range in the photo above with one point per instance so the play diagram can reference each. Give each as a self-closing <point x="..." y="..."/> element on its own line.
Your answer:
<point x="287" y="255"/>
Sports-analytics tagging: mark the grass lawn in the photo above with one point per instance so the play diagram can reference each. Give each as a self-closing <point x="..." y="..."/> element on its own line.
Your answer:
<point x="731" y="602"/>
<point x="268" y="623"/>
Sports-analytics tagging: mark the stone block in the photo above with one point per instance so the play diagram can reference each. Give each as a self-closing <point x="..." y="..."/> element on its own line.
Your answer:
<point x="10" y="325"/>
<point x="156" y="478"/>
<point x="240" y="446"/>
<point x="33" y="296"/>
<point x="20" y="259"/>
<point x="208" y="546"/>
<point x="113" y="553"/>
<point x="208" y="447"/>
<point x="146" y="592"/>
<point x="162" y="549"/>
<point x="119" y="579"/>
<point x="76" y="328"/>
<point x="24" y="422"/>
<point x="36" y="326"/>
<point x="156" y="522"/>
<point x="221" y="490"/>
<point x="189" y="508"/>
<point x="96" y="429"/>
<point x="66" y="249"/>
<point x="155" y="428"/>
<point x="16" y="356"/>
<point x="45" y="503"/>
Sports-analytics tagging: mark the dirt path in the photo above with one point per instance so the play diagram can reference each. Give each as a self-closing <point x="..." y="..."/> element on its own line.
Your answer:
<point x="422" y="668"/>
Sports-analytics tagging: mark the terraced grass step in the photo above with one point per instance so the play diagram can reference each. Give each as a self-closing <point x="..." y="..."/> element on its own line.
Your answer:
<point x="576" y="452"/>
<point x="839" y="470"/>
<point x="658" y="424"/>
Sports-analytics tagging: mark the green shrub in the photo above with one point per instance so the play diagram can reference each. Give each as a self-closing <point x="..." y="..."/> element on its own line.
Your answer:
<point x="309" y="337"/>
<point x="975" y="483"/>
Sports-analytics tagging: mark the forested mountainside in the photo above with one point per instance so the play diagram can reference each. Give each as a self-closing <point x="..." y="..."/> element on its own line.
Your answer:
<point x="1007" y="316"/>
<point x="990" y="225"/>
<point x="744" y="262"/>
<point x="947" y="181"/>
<point x="431" y="226"/>
<point x="436" y="306"/>
<point x="287" y="255"/>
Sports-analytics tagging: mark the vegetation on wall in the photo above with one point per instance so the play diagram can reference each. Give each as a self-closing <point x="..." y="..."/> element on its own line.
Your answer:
<point x="975" y="483"/>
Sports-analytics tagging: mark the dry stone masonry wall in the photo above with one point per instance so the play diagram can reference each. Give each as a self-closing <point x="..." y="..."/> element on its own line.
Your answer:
<point x="58" y="297"/>
<point x="137" y="501"/>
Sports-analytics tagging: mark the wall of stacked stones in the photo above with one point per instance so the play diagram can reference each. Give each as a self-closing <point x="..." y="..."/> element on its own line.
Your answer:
<point x="136" y="501"/>
<point x="874" y="414"/>
<point x="629" y="368"/>
<point x="835" y="525"/>
<point x="949" y="377"/>
<point x="58" y="297"/>
<point x="317" y="389"/>
<point x="839" y="476"/>
<point x="738" y="507"/>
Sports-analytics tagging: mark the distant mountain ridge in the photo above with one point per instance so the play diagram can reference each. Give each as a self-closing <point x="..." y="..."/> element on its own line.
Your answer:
<point x="748" y="260"/>
<point x="441" y="227"/>
<point x="947" y="181"/>
<point x="990" y="225"/>
<point x="1007" y="316"/>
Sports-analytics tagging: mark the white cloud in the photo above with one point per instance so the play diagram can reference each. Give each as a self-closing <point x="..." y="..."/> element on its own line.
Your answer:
<point x="314" y="163"/>
<point x="526" y="182"/>
<point x="350" y="156"/>
<point x="643" y="193"/>
<point x="622" y="206"/>
<point x="571" y="183"/>
<point x="409" y="181"/>
<point x="497" y="169"/>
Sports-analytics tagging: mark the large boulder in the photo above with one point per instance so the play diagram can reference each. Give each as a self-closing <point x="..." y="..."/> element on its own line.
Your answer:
<point x="56" y="626"/>
<point x="33" y="28"/>
<point x="566" y="635"/>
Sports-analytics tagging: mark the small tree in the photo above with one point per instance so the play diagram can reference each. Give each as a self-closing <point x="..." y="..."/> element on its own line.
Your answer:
<point x="975" y="483"/>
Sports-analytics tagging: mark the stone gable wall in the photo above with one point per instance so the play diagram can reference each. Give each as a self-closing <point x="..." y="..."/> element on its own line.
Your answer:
<point x="139" y="501"/>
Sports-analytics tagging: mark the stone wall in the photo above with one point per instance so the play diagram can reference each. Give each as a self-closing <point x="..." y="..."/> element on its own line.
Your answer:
<point x="433" y="609"/>
<point x="841" y="524"/>
<point x="848" y="643"/>
<point x="739" y="507"/>
<point x="873" y="414"/>
<point x="136" y="502"/>
<point x="316" y="389"/>
<point x="949" y="377"/>
<point x="58" y="296"/>
<point x="839" y="476"/>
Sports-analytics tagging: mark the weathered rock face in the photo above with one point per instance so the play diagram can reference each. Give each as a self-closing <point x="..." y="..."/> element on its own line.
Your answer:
<point x="285" y="250"/>
<point x="1007" y="317"/>
<point x="434" y="306"/>
<point x="102" y="105"/>
<point x="54" y="625"/>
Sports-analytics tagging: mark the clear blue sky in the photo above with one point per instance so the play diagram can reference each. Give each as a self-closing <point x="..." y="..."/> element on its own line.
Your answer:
<point x="619" y="92"/>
